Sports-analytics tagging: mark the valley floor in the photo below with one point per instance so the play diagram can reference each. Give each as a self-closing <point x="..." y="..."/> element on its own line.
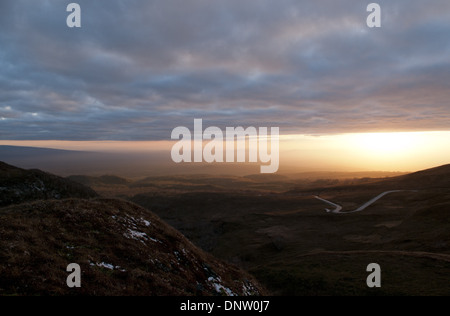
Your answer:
<point x="294" y="247"/>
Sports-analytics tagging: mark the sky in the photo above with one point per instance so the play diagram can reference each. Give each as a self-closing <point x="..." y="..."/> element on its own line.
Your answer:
<point x="137" y="69"/>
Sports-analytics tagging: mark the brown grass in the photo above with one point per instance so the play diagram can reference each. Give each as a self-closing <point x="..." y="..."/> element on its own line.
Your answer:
<point x="40" y="239"/>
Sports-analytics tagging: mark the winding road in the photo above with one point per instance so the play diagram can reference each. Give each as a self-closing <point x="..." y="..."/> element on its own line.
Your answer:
<point x="338" y="207"/>
<point x="362" y="207"/>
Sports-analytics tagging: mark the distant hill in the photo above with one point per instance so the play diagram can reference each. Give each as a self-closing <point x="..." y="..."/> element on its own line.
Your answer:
<point x="102" y="180"/>
<point x="73" y="162"/>
<point x="62" y="162"/>
<point x="19" y="185"/>
<point x="20" y="151"/>
<point x="434" y="178"/>
<point x="438" y="171"/>
<point x="128" y="164"/>
<point x="430" y="178"/>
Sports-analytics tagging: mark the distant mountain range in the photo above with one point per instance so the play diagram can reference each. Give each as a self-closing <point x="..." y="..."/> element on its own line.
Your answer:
<point x="125" y="164"/>
<point x="63" y="162"/>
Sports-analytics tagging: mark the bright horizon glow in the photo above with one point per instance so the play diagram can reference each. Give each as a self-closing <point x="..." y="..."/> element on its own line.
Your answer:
<point x="398" y="151"/>
<point x="382" y="144"/>
<point x="402" y="151"/>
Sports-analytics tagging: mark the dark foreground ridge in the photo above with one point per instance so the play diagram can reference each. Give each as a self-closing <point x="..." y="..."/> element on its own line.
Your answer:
<point x="19" y="185"/>
<point x="122" y="249"/>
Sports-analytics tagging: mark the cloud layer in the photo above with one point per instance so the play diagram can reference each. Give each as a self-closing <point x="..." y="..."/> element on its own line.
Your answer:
<point x="137" y="69"/>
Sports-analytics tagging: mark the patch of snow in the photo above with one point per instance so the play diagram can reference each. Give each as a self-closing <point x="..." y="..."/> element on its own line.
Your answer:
<point x="220" y="289"/>
<point x="131" y="221"/>
<point x="177" y="254"/>
<point x="248" y="289"/>
<point x="136" y="235"/>
<point x="156" y="240"/>
<point x="132" y="230"/>
<point x="146" y="223"/>
<point x="105" y="265"/>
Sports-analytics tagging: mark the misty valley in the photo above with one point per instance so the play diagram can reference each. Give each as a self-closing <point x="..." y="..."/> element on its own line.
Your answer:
<point x="271" y="234"/>
<point x="275" y="228"/>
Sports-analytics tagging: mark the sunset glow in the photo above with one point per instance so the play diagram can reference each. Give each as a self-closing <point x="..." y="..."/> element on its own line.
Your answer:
<point x="369" y="151"/>
<point x="345" y="94"/>
<point x="387" y="144"/>
<point x="353" y="152"/>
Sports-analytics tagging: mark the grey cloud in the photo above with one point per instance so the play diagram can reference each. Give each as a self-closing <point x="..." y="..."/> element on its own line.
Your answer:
<point x="139" y="68"/>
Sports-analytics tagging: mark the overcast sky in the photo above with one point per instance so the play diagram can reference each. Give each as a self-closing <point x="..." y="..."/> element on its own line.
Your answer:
<point x="137" y="69"/>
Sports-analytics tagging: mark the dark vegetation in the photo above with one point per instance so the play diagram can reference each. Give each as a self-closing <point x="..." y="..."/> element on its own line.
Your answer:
<point x="274" y="228"/>
<point x="18" y="186"/>
<point x="271" y="226"/>
<point x="122" y="248"/>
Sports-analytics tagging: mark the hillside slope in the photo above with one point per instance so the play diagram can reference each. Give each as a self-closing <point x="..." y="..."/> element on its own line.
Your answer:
<point x="438" y="177"/>
<point x="19" y="185"/>
<point x="47" y="223"/>
<point x="294" y="247"/>
<point x="122" y="249"/>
